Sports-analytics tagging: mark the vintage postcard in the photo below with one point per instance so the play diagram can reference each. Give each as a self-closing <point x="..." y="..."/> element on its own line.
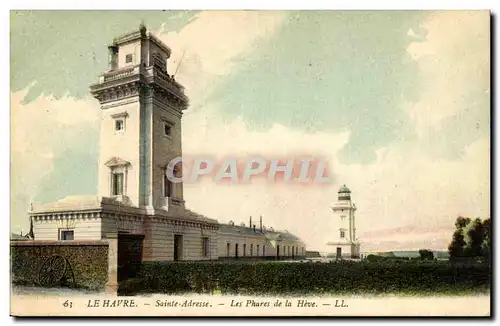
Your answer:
<point x="250" y="163"/>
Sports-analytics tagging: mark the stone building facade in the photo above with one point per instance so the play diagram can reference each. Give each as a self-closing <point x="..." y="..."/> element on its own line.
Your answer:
<point x="242" y="241"/>
<point x="142" y="107"/>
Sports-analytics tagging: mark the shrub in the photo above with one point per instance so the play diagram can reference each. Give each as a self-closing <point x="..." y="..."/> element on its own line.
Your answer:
<point x="275" y="278"/>
<point x="426" y="254"/>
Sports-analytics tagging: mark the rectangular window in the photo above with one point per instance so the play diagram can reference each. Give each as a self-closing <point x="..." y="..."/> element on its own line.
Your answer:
<point x="117" y="186"/>
<point x="206" y="248"/>
<point x="167" y="129"/>
<point x="263" y="250"/>
<point x="67" y="235"/>
<point x="342" y="234"/>
<point x="128" y="58"/>
<point x="251" y="250"/>
<point x="258" y="251"/>
<point x="119" y="125"/>
<point x="228" y="250"/>
<point x="244" y="249"/>
<point x="178" y="247"/>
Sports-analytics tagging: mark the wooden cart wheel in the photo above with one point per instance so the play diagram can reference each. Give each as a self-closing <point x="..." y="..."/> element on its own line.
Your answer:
<point x="52" y="271"/>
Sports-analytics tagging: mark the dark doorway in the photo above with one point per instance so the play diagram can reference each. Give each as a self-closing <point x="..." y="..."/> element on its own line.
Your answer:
<point x="236" y="250"/>
<point x="339" y="252"/>
<point x="177" y="247"/>
<point x="278" y="251"/>
<point x="129" y="255"/>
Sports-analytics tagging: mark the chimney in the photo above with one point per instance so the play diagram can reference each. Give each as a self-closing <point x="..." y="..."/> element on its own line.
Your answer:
<point x="261" y="222"/>
<point x="254" y="228"/>
<point x="250" y="223"/>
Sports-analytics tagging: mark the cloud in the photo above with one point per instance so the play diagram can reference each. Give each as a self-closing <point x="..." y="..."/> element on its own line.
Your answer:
<point x="42" y="129"/>
<point x="454" y="59"/>
<point x="210" y="45"/>
<point x="404" y="189"/>
<point x="407" y="187"/>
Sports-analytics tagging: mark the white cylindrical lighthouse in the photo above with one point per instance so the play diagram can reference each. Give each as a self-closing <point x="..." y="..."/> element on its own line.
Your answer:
<point x="345" y="242"/>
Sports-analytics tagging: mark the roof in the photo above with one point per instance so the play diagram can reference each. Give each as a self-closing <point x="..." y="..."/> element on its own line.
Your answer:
<point x="116" y="161"/>
<point x="141" y="32"/>
<point x="409" y="254"/>
<point x="244" y="230"/>
<point x="71" y="203"/>
<point x="344" y="189"/>
<point x="191" y="214"/>
<point x="18" y="237"/>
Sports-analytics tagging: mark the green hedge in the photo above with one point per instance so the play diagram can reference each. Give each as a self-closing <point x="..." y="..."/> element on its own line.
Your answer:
<point x="88" y="262"/>
<point x="294" y="278"/>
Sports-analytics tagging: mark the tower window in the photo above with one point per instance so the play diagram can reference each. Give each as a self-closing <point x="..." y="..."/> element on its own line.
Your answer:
<point x="342" y="234"/>
<point x="167" y="186"/>
<point x="117" y="187"/>
<point x="128" y="58"/>
<point x="168" y="129"/>
<point x="119" y="125"/>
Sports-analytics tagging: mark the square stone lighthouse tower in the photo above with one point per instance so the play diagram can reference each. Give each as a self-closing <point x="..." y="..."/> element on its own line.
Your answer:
<point x="141" y="107"/>
<point x="141" y="123"/>
<point x="346" y="244"/>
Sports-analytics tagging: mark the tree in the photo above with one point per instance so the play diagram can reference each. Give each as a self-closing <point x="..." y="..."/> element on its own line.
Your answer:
<point x="462" y="222"/>
<point x="471" y="238"/>
<point x="456" y="247"/>
<point x="486" y="245"/>
<point x="474" y="238"/>
<point x="426" y="254"/>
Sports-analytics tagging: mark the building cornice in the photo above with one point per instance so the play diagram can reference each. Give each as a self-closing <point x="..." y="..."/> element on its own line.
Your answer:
<point x="127" y="82"/>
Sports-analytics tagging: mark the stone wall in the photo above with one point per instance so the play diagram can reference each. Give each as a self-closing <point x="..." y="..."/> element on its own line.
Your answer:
<point x="88" y="261"/>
